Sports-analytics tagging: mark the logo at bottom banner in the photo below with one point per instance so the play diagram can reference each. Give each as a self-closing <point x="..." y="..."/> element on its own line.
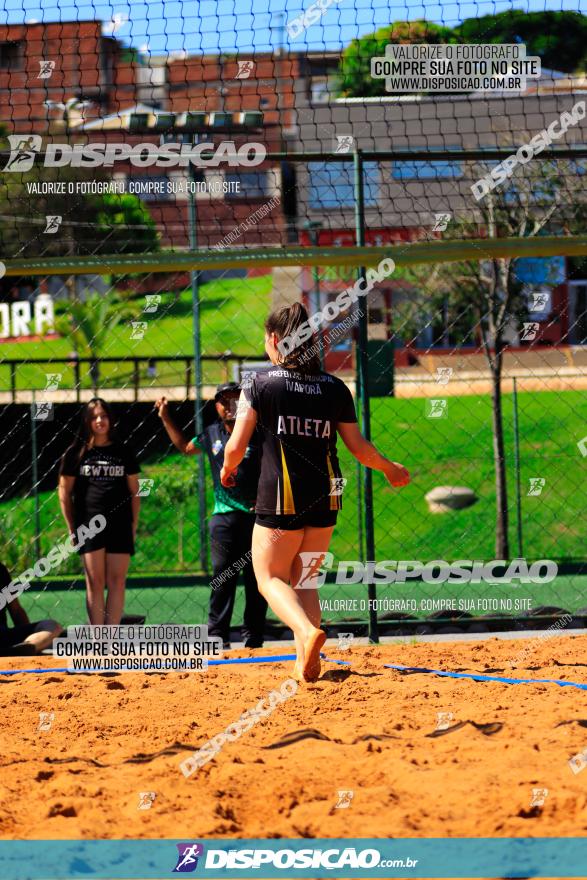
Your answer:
<point x="187" y="859"/>
<point x="280" y="859"/>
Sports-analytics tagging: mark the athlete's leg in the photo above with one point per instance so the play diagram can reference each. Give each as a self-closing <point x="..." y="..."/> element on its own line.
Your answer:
<point x="45" y="632"/>
<point x="116" y="570"/>
<point x="95" y="571"/>
<point x="316" y="542"/>
<point x="273" y="557"/>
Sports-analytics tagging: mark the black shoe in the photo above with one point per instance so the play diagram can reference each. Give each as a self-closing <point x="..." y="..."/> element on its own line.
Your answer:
<point x="225" y="640"/>
<point x="19" y="650"/>
<point x="253" y="643"/>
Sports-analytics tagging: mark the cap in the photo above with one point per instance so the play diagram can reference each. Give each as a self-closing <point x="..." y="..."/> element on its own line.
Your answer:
<point x="233" y="387"/>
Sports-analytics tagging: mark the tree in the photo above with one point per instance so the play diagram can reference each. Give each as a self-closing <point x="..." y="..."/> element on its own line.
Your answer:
<point x="89" y="324"/>
<point x="354" y="78"/>
<point x="108" y="223"/>
<point x="123" y="223"/>
<point x="543" y="197"/>
<point x="558" y="38"/>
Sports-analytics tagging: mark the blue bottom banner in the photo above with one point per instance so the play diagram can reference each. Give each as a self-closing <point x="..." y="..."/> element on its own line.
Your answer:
<point x="312" y="858"/>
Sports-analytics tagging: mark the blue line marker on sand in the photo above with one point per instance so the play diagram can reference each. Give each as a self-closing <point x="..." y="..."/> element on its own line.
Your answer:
<point x="276" y="658"/>
<point x="478" y="677"/>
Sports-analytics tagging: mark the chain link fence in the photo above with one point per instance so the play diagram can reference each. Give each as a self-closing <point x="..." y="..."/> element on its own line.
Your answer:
<point x="136" y="280"/>
<point x="430" y="409"/>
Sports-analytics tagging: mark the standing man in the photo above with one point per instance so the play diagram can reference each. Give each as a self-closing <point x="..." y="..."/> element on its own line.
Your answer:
<point x="232" y="521"/>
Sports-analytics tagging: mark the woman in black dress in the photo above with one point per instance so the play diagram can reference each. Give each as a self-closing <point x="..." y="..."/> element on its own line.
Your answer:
<point x="99" y="476"/>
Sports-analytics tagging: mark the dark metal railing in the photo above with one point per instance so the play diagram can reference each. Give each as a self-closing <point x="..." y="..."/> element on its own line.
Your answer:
<point x="137" y="374"/>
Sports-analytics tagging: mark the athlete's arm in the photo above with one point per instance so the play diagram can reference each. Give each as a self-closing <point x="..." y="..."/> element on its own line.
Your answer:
<point x="234" y="451"/>
<point x="132" y="481"/>
<point x="65" y="492"/>
<point x="175" y="435"/>
<point x="17" y="613"/>
<point x="367" y="454"/>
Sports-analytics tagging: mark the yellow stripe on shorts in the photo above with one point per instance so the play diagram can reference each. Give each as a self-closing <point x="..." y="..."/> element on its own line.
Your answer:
<point x="334" y="499"/>
<point x="288" y="499"/>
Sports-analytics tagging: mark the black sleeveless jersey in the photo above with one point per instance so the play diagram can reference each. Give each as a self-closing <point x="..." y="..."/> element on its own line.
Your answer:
<point x="297" y="414"/>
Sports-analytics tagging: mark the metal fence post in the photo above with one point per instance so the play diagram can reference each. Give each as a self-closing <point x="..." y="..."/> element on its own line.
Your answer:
<point x="392" y="370"/>
<point x="136" y="377"/>
<point x="362" y="382"/>
<point x="313" y="227"/>
<point x="517" y="469"/>
<point x="359" y="472"/>
<point x="195" y="281"/>
<point x="35" y="481"/>
<point x="78" y="381"/>
<point x="188" y="378"/>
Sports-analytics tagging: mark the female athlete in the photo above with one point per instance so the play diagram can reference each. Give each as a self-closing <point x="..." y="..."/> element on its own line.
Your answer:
<point x="299" y="410"/>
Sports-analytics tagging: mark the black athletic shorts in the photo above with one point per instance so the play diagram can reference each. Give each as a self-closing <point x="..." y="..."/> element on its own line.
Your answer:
<point x="115" y="538"/>
<point x="290" y="522"/>
<point x="14" y="635"/>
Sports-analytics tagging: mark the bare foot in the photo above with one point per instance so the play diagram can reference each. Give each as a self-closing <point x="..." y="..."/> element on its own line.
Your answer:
<point x="312" y="645"/>
<point x="297" y="673"/>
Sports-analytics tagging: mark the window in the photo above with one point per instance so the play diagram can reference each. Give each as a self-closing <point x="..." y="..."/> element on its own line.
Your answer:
<point x="578" y="166"/>
<point x="246" y="184"/>
<point x="528" y="191"/>
<point x="11" y="55"/>
<point x="331" y="184"/>
<point x="149" y="187"/>
<point x="376" y="316"/>
<point x="541" y="270"/>
<point x="427" y="170"/>
<point x="321" y="89"/>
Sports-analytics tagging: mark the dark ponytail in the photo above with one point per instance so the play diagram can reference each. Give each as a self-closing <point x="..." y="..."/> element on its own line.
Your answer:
<point x="285" y="323"/>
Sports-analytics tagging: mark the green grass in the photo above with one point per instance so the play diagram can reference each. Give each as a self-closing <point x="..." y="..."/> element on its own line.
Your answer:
<point x="232" y="314"/>
<point x="454" y="451"/>
<point x="190" y="604"/>
<point x="458" y="451"/>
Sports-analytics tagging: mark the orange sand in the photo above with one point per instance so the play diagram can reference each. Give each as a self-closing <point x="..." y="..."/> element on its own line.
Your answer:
<point x="375" y="724"/>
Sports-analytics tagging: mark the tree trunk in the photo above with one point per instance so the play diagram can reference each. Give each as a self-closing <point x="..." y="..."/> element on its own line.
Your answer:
<point x="502" y="547"/>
